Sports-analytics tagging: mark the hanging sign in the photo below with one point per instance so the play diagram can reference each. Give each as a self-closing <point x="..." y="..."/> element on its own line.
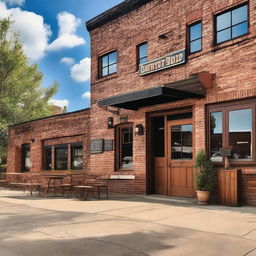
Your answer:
<point x="171" y="60"/>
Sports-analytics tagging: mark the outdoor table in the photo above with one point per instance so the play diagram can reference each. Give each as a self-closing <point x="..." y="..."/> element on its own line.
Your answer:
<point x="53" y="178"/>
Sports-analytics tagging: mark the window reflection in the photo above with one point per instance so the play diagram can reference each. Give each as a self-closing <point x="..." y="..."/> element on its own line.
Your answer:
<point x="240" y="134"/>
<point x="181" y="142"/>
<point x="232" y="24"/>
<point x="61" y="158"/>
<point x="26" y="158"/>
<point x="77" y="157"/>
<point x="127" y="144"/>
<point x="215" y="136"/>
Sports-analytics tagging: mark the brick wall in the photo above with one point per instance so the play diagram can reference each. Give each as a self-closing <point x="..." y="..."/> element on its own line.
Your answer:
<point x="60" y="129"/>
<point x="232" y="64"/>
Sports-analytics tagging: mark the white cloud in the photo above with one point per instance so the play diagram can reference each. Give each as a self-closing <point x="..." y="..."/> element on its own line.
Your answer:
<point x="60" y="103"/>
<point x="67" y="60"/>
<point x="86" y="95"/>
<point x="81" y="72"/>
<point x="67" y="37"/>
<point x="34" y="33"/>
<point x="14" y="2"/>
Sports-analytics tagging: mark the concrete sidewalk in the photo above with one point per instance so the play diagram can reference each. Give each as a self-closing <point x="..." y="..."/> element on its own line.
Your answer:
<point x="123" y="225"/>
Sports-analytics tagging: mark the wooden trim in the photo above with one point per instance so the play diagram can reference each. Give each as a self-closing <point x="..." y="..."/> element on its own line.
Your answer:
<point x="225" y="108"/>
<point x="118" y="145"/>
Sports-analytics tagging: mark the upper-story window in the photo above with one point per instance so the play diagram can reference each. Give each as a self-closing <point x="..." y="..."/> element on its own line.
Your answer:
<point x="231" y="24"/>
<point x="142" y="53"/>
<point x="108" y="64"/>
<point x="195" y="37"/>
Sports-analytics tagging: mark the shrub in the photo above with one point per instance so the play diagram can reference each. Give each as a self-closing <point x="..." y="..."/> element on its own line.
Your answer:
<point x="206" y="175"/>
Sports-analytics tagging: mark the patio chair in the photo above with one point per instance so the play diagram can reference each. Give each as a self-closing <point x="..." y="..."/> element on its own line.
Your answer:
<point x="101" y="186"/>
<point x="82" y="190"/>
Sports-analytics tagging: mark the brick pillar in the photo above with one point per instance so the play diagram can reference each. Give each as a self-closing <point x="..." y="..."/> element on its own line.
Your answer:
<point x="199" y="129"/>
<point x="69" y="157"/>
<point x="53" y="159"/>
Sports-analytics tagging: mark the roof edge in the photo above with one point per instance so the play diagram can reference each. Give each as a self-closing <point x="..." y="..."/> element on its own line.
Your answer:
<point x="114" y="13"/>
<point x="48" y="117"/>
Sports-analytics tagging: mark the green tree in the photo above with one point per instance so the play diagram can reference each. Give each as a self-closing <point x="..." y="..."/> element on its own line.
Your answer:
<point x="21" y="96"/>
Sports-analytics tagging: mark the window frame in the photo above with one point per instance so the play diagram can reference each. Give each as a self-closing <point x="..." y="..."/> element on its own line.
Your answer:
<point x="138" y="53"/>
<point x="189" y="36"/>
<point x="101" y="64"/>
<point x="24" y="148"/>
<point x="231" y="26"/>
<point x="118" y="146"/>
<point x="56" y="147"/>
<point x="45" y="157"/>
<point x="225" y="108"/>
<point x="72" y="147"/>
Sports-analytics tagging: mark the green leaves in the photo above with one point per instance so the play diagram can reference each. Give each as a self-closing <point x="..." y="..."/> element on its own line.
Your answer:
<point x="206" y="175"/>
<point x="21" y="96"/>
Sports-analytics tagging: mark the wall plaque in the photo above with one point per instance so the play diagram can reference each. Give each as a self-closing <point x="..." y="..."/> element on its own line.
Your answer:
<point x="23" y="129"/>
<point x="171" y="60"/>
<point x="96" y="146"/>
<point x="108" y="145"/>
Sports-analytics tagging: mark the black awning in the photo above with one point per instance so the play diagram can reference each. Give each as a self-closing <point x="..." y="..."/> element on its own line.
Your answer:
<point x="180" y="90"/>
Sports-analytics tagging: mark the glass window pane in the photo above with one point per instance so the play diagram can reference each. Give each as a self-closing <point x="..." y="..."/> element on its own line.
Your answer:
<point x="224" y="35"/>
<point x="196" y="46"/>
<point x="176" y="142"/>
<point x="48" y="158"/>
<point x="240" y="134"/>
<point x="195" y="31"/>
<point x="61" y="158"/>
<point x="239" y="15"/>
<point x="143" y="51"/>
<point x="240" y="30"/>
<point x="104" y="61"/>
<point x="215" y="136"/>
<point x="127" y="151"/>
<point x="223" y="21"/>
<point x="143" y="60"/>
<point x="187" y="150"/>
<point x="181" y="141"/>
<point x="112" y="69"/>
<point x="105" y="71"/>
<point x="112" y="58"/>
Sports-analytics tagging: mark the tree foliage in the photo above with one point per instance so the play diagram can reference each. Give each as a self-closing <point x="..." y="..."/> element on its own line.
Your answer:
<point x="21" y="96"/>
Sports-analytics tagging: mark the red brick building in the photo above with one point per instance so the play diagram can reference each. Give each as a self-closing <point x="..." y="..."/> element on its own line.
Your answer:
<point x="168" y="78"/>
<point x="58" y="142"/>
<point x="198" y="63"/>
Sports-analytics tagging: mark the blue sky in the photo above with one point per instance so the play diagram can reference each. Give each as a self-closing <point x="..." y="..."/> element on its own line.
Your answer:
<point x="55" y="37"/>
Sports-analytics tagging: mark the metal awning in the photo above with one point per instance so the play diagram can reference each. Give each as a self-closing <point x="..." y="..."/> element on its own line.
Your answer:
<point x="193" y="87"/>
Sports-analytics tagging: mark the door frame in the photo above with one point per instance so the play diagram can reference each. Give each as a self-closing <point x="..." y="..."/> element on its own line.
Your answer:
<point x="150" y="186"/>
<point x="188" y="121"/>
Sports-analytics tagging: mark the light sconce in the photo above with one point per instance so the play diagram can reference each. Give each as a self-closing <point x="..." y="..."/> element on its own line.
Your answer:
<point x="139" y="129"/>
<point x="32" y="140"/>
<point x="110" y="122"/>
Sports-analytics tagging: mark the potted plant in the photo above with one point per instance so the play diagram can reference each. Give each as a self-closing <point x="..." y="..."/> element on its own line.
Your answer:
<point x="205" y="178"/>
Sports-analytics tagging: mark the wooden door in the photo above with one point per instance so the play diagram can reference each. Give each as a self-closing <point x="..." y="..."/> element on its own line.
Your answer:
<point x="161" y="179"/>
<point x="180" y="158"/>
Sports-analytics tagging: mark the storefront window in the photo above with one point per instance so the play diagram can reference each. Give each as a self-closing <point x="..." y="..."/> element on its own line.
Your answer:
<point x="181" y="141"/>
<point x="26" y="164"/>
<point x="124" y="148"/>
<point x="231" y="126"/>
<point x="48" y="158"/>
<point x="77" y="156"/>
<point x="61" y="157"/>
<point x="216" y="136"/>
<point x="240" y="134"/>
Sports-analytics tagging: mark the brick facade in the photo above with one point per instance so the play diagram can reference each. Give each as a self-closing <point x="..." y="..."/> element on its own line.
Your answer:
<point x="232" y="64"/>
<point x="54" y="130"/>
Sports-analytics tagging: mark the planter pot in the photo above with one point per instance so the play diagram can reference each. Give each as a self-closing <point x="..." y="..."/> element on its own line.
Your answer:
<point x="203" y="197"/>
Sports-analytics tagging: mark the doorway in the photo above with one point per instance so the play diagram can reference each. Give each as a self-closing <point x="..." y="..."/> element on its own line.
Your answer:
<point x="172" y="155"/>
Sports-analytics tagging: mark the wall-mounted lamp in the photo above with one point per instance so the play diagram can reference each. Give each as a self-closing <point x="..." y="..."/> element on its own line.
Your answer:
<point x="110" y="122"/>
<point x="32" y="140"/>
<point x="139" y="129"/>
